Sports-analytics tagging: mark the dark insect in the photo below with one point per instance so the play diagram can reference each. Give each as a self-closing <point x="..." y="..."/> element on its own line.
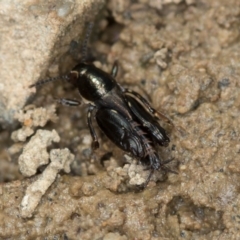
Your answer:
<point x="125" y="117"/>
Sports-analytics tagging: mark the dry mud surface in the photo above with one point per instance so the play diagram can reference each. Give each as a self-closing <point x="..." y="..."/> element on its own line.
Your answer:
<point x="184" y="56"/>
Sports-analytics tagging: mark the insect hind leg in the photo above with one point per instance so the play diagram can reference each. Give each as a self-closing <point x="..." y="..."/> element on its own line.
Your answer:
<point x="167" y="169"/>
<point x="155" y="113"/>
<point x="152" y="169"/>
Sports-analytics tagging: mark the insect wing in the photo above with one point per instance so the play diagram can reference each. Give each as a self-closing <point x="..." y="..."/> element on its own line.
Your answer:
<point x="148" y="121"/>
<point x="120" y="131"/>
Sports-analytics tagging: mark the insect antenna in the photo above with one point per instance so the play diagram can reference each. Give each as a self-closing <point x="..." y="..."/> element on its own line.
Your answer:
<point x="85" y="42"/>
<point x="84" y="57"/>
<point x="42" y="82"/>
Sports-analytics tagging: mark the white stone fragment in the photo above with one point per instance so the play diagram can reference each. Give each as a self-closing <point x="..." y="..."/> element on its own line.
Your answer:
<point x="31" y="118"/>
<point x="35" y="153"/>
<point x="60" y="160"/>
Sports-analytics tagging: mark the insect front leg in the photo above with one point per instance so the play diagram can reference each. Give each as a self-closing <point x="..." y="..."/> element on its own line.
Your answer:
<point x="68" y="102"/>
<point x="95" y="143"/>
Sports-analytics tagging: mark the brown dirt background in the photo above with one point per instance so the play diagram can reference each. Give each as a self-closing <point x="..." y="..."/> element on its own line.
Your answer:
<point x="185" y="57"/>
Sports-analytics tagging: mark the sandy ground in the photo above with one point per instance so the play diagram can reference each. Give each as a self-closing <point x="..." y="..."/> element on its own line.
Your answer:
<point x="184" y="57"/>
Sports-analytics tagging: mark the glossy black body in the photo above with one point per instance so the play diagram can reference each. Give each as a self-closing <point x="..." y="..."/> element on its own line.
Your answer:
<point x="121" y="115"/>
<point x="124" y="116"/>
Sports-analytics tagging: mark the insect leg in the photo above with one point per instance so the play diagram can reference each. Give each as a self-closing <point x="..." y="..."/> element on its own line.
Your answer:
<point x="68" y="102"/>
<point x="163" y="167"/>
<point x="148" y="178"/>
<point x="95" y="143"/>
<point x="149" y="108"/>
<point x="114" y="69"/>
<point x="167" y="169"/>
